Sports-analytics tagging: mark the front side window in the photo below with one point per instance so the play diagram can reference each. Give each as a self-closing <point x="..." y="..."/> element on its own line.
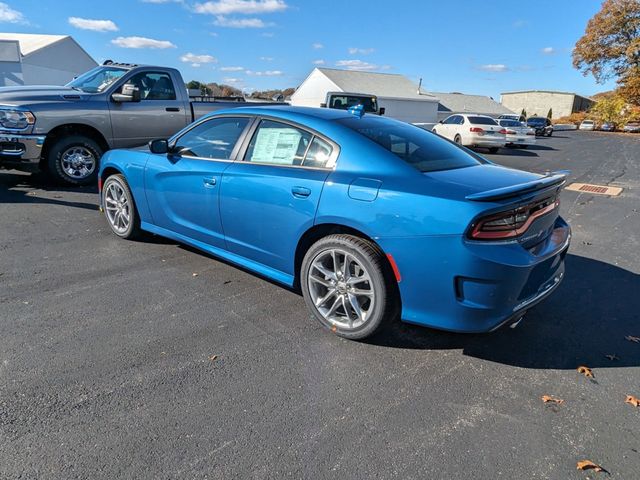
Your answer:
<point x="421" y="149"/>
<point x="97" y="79"/>
<point x="154" y="86"/>
<point x="213" y="138"/>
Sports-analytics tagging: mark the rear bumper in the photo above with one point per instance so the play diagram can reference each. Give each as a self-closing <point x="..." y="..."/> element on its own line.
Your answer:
<point x="521" y="140"/>
<point x="487" y="140"/>
<point x="21" y="147"/>
<point x="454" y="284"/>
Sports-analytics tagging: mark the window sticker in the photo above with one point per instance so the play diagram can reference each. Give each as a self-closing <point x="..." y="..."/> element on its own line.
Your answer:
<point x="276" y="145"/>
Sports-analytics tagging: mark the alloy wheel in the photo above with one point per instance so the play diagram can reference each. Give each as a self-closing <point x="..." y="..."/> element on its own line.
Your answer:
<point x="78" y="162"/>
<point x="341" y="289"/>
<point x="117" y="207"/>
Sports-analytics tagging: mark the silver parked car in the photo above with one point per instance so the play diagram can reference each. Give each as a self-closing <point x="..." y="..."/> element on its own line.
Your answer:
<point x="517" y="133"/>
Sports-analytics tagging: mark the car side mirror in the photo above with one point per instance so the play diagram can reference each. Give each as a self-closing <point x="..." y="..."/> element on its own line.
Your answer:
<point x="129" y="93"/>
<point x="381" y="110"/>
<point x="441" y="121"/>
<point x="323" y="105"/>
<point x="159" y="146"/>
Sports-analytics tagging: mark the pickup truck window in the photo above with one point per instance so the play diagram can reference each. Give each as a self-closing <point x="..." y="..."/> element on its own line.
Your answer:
<point x="97" y="80"/>
<point x="213" y="138"/>
<point x="154" y="86"/>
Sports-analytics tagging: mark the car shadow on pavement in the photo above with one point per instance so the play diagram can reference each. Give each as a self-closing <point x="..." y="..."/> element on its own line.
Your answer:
<point x="22" y="187"/>
<point x="585" y="322"/>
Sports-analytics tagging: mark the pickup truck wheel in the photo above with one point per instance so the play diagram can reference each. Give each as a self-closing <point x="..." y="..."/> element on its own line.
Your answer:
<point x="74" y="160"/>
<point x="119" y="207"/>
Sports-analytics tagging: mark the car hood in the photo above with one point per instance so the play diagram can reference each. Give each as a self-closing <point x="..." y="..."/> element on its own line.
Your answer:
<point x="480" y="178"/>
<point x="38" y="93"/>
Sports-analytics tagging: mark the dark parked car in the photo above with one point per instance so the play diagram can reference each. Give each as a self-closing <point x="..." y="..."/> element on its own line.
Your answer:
<point x="541" y="125"/>
<point x="607" y="127"/>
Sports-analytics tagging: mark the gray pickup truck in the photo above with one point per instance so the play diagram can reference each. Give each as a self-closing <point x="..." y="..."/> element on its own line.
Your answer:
<point x="65" y="130"/>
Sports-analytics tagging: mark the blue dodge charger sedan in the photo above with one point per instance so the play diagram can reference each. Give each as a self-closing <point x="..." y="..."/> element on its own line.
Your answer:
<point x="371" y="218"/>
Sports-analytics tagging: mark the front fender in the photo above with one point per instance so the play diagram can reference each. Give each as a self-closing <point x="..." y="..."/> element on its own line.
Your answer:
<point x="132" y="165"/>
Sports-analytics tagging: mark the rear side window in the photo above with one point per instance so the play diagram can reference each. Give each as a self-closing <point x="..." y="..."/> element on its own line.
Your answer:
<point x="213" y="138"/>
<point x="482" y="121"/>
<point x="422" y="149"/>
<point x="281" y="144"/>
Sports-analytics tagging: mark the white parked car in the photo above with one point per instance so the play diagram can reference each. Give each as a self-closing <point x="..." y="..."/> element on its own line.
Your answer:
<point x="518" y="134"/>
<point x="587" y="125"/>
<point x="472" y="131"/>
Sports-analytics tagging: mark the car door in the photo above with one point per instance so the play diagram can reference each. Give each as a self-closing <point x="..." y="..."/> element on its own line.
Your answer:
<point x="158" y="114"/>
<point x="270" y="198"/>
<point x="183" y="187"/>
<point x="444" y="127"/>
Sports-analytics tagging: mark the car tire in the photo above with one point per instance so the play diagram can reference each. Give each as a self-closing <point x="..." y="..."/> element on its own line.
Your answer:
<point x="74" y="160"/>
<point x="351" y="308"/>
<point x="120" y="208"/>
<point x="493" y="150"/>
<point x="550" y="133"/>
<point x="458" y="139"/>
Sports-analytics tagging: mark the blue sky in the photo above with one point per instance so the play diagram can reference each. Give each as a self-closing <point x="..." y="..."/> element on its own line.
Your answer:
<point x="482" y="47"/>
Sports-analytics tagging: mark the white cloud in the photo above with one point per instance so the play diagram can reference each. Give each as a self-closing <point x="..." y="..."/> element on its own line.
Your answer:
<point x="362" y="51"/>
<point x="95" y="25"/>
<point x="268" y="34"/>
<point x="231" y="69"/>
<point x="318" y="62"/>
<point x="519" y="23"/>
<point x="197" y="60"/>
<point x="494" y="67"/>
<point x="266" y="59"/>
<point x="242" y="7"/>
<point x="267" y="73"/>
<point x="548" y="50"/>
<point x="317" y="46"/>
<point x="162" y="1"/>
<point x="141" y="42"/>
<point x="231" y="80"/>
<point x="356" y="65"/>
<point x="222" y="21"/>
<point x="9" y="15"/>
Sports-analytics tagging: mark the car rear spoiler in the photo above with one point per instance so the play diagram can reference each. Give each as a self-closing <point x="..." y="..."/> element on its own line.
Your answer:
<point x="551" y="179"/>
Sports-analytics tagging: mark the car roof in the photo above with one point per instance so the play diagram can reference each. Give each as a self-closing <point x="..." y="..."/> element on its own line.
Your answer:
<point x="289" y="112"/>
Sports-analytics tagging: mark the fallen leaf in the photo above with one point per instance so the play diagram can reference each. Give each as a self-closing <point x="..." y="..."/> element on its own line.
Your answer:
<point x="194" y="274"/>
<point x="586" y="371"/>
<point x="550" y="399"/>
<point x="633" y="339"/>
<point x="631" y="400"/>
<point x="334" y="329"/>
<point x="589" y="465"/>
<point x="213" y="357"/>
<point x="612" y="357"/>
<point x="227" y="282"/>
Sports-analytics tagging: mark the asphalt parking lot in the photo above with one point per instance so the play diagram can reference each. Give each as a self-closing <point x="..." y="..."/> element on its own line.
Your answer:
<point x="151" y="360"/>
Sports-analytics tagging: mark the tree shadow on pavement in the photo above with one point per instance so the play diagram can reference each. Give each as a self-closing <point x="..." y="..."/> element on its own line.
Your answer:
<point x="21" y="187"/>
<point x="586" y="319"/>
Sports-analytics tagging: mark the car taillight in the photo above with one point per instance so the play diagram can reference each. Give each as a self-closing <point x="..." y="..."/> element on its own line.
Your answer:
<point x="504" y="131"/>
<point x="99" y="184"/>
<point x="508" y="132"/>
<point x="531" y="132"/>
<point x="511" y="223"/>
<point x="477" y="130"/>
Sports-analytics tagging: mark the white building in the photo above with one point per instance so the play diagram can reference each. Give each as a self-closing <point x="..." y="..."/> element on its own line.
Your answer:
<point x="27" y="59"/>
<point x="539" y="102"/>
<point x="455" y="102"/>
<point x="399" y="96"/>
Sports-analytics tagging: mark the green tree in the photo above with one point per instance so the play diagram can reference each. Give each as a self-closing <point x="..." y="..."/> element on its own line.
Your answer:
<point x="550" y="114"/>
<point x="610" y="47"/>
<point x="523" y="113"/>
<point x="609" y="109"/>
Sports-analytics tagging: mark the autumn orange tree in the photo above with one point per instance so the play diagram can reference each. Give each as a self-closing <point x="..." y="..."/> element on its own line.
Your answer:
<point x="610" y="47"/>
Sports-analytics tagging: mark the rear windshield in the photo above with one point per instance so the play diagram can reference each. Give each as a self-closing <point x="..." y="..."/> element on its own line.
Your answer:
<point x="344" y="102"/>
<point x="482" y="121"/>
<point x="421" y="149"/>
<point x="537" y="120"/>
<point x="510" y="123"/>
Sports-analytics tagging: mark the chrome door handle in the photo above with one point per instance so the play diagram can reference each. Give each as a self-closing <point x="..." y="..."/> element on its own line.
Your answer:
<point x="209" y="182"/>
<point x="300" y="192"/>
